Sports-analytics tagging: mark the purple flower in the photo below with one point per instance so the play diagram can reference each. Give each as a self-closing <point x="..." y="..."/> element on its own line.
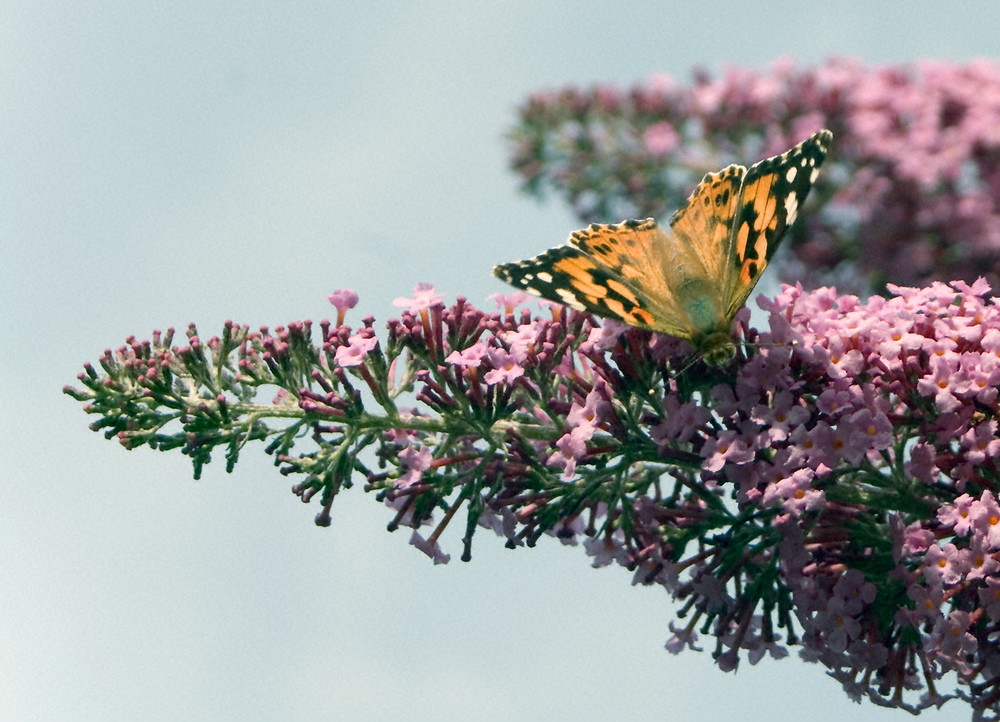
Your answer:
<point x="727" y="448"/>
<point x="838" y="623"/>
<point x="416" y="460"/>
<point x="681" y="421"/>
<point x="605" y="549"/>
<point x="683" y="638"/>
<point x="571" y="447"/>
<point x="506" y="366"/>
<point x="430" y="547"/>
<point x="927" y="601"/>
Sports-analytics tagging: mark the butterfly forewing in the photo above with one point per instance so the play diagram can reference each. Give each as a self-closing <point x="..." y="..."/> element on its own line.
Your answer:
<point x="769" y="200"/>
<point x="705" y="223"/>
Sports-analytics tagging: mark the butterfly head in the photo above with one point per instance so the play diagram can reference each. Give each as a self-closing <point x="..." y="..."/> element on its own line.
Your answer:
<point x="717" y="349"/>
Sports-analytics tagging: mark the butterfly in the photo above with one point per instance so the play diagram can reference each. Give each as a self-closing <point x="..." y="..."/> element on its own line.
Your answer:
<point x="690" y="279"/>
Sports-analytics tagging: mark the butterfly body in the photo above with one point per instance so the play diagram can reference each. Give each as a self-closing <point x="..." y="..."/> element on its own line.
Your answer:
<point x="688" y="279"/>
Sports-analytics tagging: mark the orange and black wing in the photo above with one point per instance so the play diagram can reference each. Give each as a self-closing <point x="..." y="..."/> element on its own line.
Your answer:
<point x="614" y="271"/>
<point x="773" y="190"/>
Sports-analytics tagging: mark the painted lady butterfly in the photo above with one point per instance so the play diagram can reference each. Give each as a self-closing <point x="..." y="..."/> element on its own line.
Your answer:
<point x="688" y="280"/>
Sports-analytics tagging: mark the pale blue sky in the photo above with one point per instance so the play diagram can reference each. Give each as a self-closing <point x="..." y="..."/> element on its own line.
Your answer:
<point x="188" y="161"/>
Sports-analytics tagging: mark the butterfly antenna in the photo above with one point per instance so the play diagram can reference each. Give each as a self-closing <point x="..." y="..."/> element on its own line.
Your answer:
<point x="689" y="362"/>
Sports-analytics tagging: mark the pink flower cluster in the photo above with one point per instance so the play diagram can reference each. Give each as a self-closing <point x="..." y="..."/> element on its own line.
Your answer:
<point x="858" y="444"/>
<point x="878" y="461"/>
<point x="836" y="489"/>
<point x="912" y="183"/>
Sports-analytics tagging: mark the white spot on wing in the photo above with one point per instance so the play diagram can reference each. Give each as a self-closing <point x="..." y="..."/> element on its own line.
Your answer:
<point x="791" y="208"/>
<point x="791" y="173"/>
<point x="569" y="299"/>
<point x="544" y="276"/>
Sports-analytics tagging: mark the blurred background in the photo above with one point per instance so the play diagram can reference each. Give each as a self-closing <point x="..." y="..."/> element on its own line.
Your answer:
<point x="163" y="163"/>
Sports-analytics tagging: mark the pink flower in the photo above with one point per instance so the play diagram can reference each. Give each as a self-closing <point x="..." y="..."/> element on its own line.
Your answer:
<point x="981" y="442"/>
<point x="357" y="348"/>
<point x="954" y="639"/>
<point x="921" y="465"/>
<point x="989" y="597"/>
<point x="572" y="446"/>
<point x="795" y="493"/>
<point x="424" y="298"/>
<point x="982" y="565"/>
<point x="957" y="515"/>
<point x="605" y="336"/>
<point x="940" y="383"/>
<point x="946" y="564"/>
<point x="916" y="539"/>
<point x="508" y="302"/>
<point x="473" y="356"/>
<point x="596" y="407"/>
<point x="522" y="339"/>
<point x="875" y="427"/>
<point x="343" y="299"/>
<point x="916" y="193"/>
<point x="660" y="138"/>
<point x="780" y="417"/>
<point x="857" y="592"/>
<point x="985" y="515"/>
